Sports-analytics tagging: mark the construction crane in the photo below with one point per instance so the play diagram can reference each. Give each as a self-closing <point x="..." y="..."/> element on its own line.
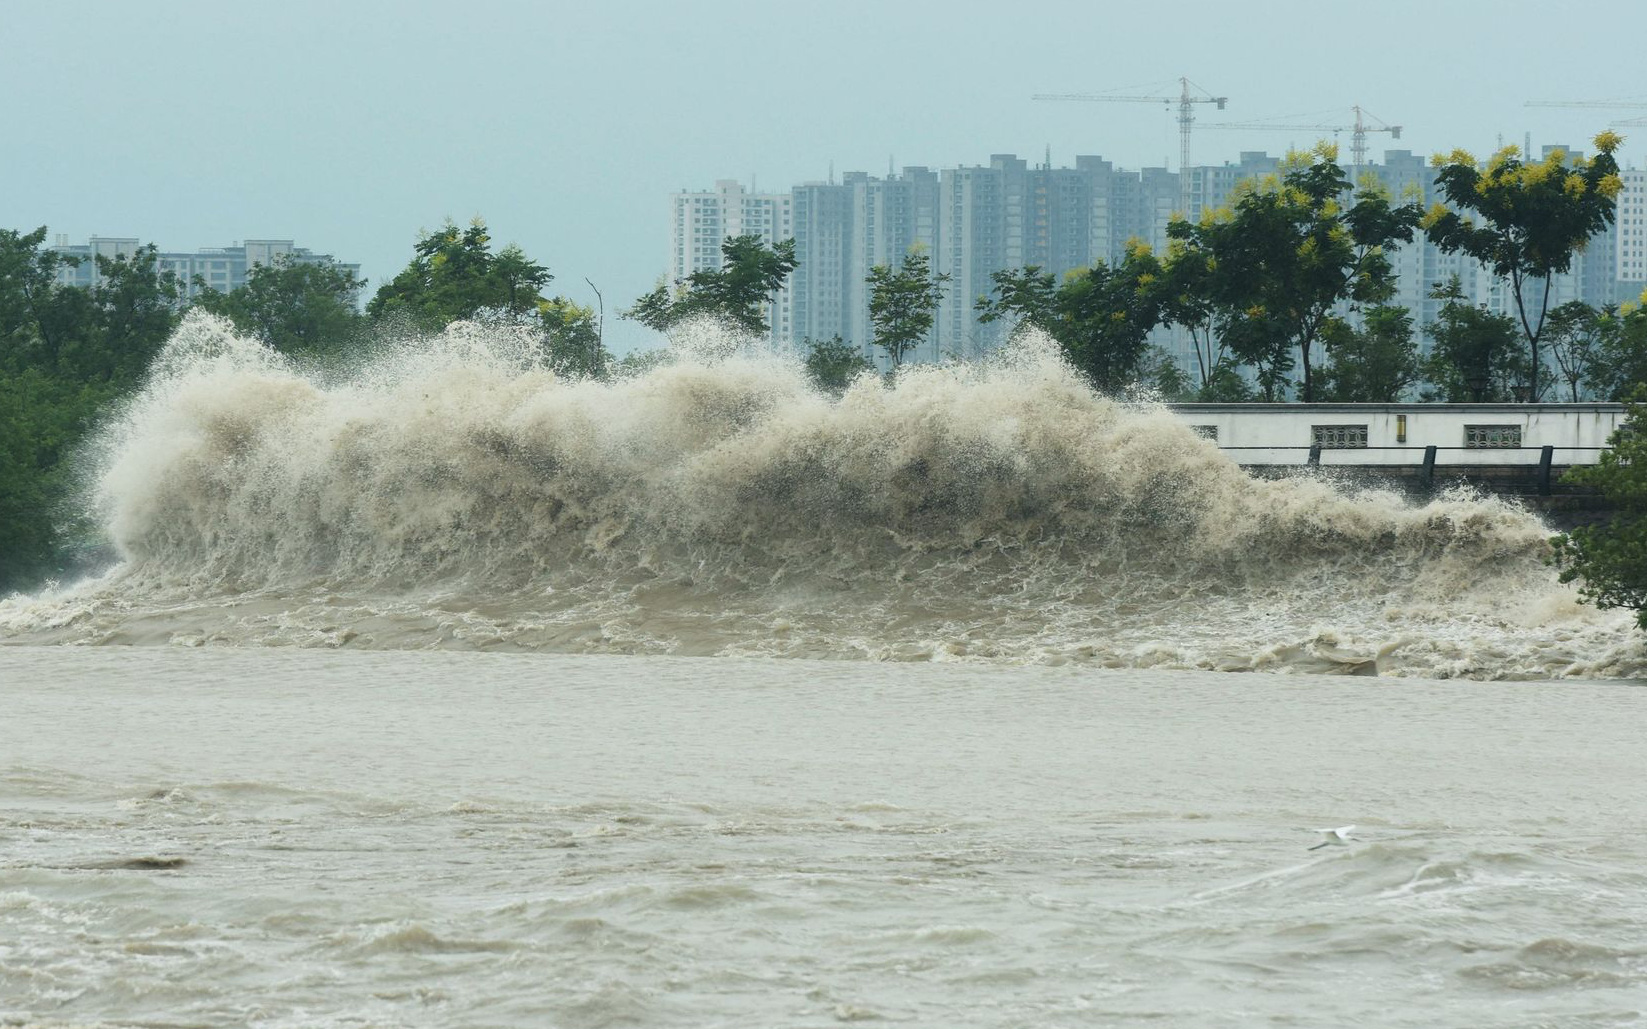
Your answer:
<point x="1625" y="105"/>
<point x="1358" y="131"/>
<point x="1617" y="105"/>
<point x="1628" y="104"/>
<point x="1186" y="102"/>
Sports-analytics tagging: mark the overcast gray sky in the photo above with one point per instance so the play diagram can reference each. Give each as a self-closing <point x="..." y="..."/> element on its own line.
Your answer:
<point x="348" y="126"/>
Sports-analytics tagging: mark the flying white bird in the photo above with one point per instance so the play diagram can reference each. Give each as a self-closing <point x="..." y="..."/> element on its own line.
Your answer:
<point x="1333" y="837"/>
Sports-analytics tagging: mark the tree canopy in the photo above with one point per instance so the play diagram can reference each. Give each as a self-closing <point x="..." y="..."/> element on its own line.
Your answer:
<point x="453" y="275"/>
<point x="832" y="364"/>
<point x="903" y="302"/>
<point x="1474" y="355"/>
<point x="65" y="353"/>
<point x="750" y="276"/>
<point x="294" y="307"/>
<point x="1621" y="353"/>
<point x="1609" y="561"/>
<point x="1290" y="254"/>
<point x="1100" y="316"/>
<point x="1575" y="331"/>
<point x="1376" y="363"/>
<point x="572" y="339"/>
<point x="1525" y="220"/>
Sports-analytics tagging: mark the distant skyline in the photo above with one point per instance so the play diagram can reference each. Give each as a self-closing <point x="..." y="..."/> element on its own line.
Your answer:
<point x="350" y="126"/>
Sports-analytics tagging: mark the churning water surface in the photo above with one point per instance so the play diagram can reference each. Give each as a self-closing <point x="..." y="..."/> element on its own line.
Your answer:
<point x="453" y="493"/>
<point x="1041" y="801"/>
<point x="311" y="838"/>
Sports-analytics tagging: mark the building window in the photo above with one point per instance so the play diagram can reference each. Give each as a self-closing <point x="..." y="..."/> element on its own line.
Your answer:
<point x="1206" y="431"/>
<point x="1482" y="437"/>
<point x="1339" y="437"/>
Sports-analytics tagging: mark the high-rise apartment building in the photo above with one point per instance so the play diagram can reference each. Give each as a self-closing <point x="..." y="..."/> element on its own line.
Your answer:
<point x="700" y="222"/>
<point x="972" y="245"/>
<point x="1630" y="236"/>
<point x="218" y="268"/>
<point x="890" y="217"/>
<point x="822" y="287"/>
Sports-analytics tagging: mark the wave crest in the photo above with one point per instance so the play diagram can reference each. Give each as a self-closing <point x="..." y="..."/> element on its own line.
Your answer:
<point x="456" y="491"/>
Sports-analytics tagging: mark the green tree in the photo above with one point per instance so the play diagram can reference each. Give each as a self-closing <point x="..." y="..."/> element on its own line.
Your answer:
<point x="833" y="364"/>
<point x="1620" y="364"/>
<point x="1028" y="296"/>
<point x="1101" y="317"/>
<point x="903" y="303"/>
<point x="1609" y="561"/>
<point x="1291" y="255"/>
<point x="1170" y="382"/>
<point x="296" y="307"/>
<point x="38" y="318"/>
<point x="572" y="339"/>
<point x="1575" y="331"/>
<point x="1226" y="385"/>
<point x="65" y="352"/>
<point x="43" y="420"/>
<point x="656" y="309"/>
<point x="751" y="274"/>
<point x="1534" y="217"/>
<point x="454" y="276"/>
<point x="1376" y="363"/>
<point x="1210" y="290"/>
<point x="1475" y="356"/>
<point x="1189" y="299"/>
<point x="515" y="282"/>
<point x="121" y="323"/>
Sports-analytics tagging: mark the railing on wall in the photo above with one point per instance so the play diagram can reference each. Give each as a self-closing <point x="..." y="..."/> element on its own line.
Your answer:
<point x="1426" y="475"/>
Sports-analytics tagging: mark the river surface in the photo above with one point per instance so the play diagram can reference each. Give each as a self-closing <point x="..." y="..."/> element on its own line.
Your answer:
<point x="287" y="837"/>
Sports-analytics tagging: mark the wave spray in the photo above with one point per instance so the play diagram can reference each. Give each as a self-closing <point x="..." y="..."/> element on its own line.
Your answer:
<point x="454" y="492"/>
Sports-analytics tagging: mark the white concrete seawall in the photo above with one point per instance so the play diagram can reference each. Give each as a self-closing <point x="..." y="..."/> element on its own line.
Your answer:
<point x="1397" y="434"/>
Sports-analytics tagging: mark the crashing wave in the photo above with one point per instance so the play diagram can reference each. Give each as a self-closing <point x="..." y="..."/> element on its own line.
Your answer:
<point x="456" y="492"/>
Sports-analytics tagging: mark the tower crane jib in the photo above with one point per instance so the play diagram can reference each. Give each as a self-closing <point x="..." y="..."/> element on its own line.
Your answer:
<point x="1186" y="101"/>
<point x="1364" y="123"/>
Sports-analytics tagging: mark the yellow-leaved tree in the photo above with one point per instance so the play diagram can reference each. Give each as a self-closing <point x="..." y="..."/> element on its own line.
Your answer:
<point x="1525" y="220"/>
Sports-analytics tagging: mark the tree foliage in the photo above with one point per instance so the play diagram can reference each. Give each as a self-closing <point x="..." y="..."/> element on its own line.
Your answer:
<point x="1161" y="374"/>
<point x="572" y="339"/>
<point x="1533" y="218"/>
<point x="903" y="302"/>
<point x="1574" y="332"/>
<point x="43" y="419"/>
<point x="65" y="352"/>
<point x="294" y="307"/>
<point x="750" y="276"/>
<point x="833" y="364"/>
<point x="1226" y="385"/>
<point x="36" y="324"/>
<point x="1028" y="296"/>
<point x="1294" y="250"/>
<point x="106" y="334"/>
<point x="1621" y="353"/>
<point x="1189" y="300"/>
<point x="1610" y="561"/>
<point x="1376" y="363"/>
<point x="1475" y="355"/>
<point x="1101" y="317"/>
<point x="454" y="276"/>
<point x="1599" y="353"/>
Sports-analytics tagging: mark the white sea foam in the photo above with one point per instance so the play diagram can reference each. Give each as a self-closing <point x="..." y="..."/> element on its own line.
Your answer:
<point x="455" y="492"/>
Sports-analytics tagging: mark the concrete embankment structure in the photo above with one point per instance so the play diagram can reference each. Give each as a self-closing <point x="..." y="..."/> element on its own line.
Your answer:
<point x="1514" y="450"/>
